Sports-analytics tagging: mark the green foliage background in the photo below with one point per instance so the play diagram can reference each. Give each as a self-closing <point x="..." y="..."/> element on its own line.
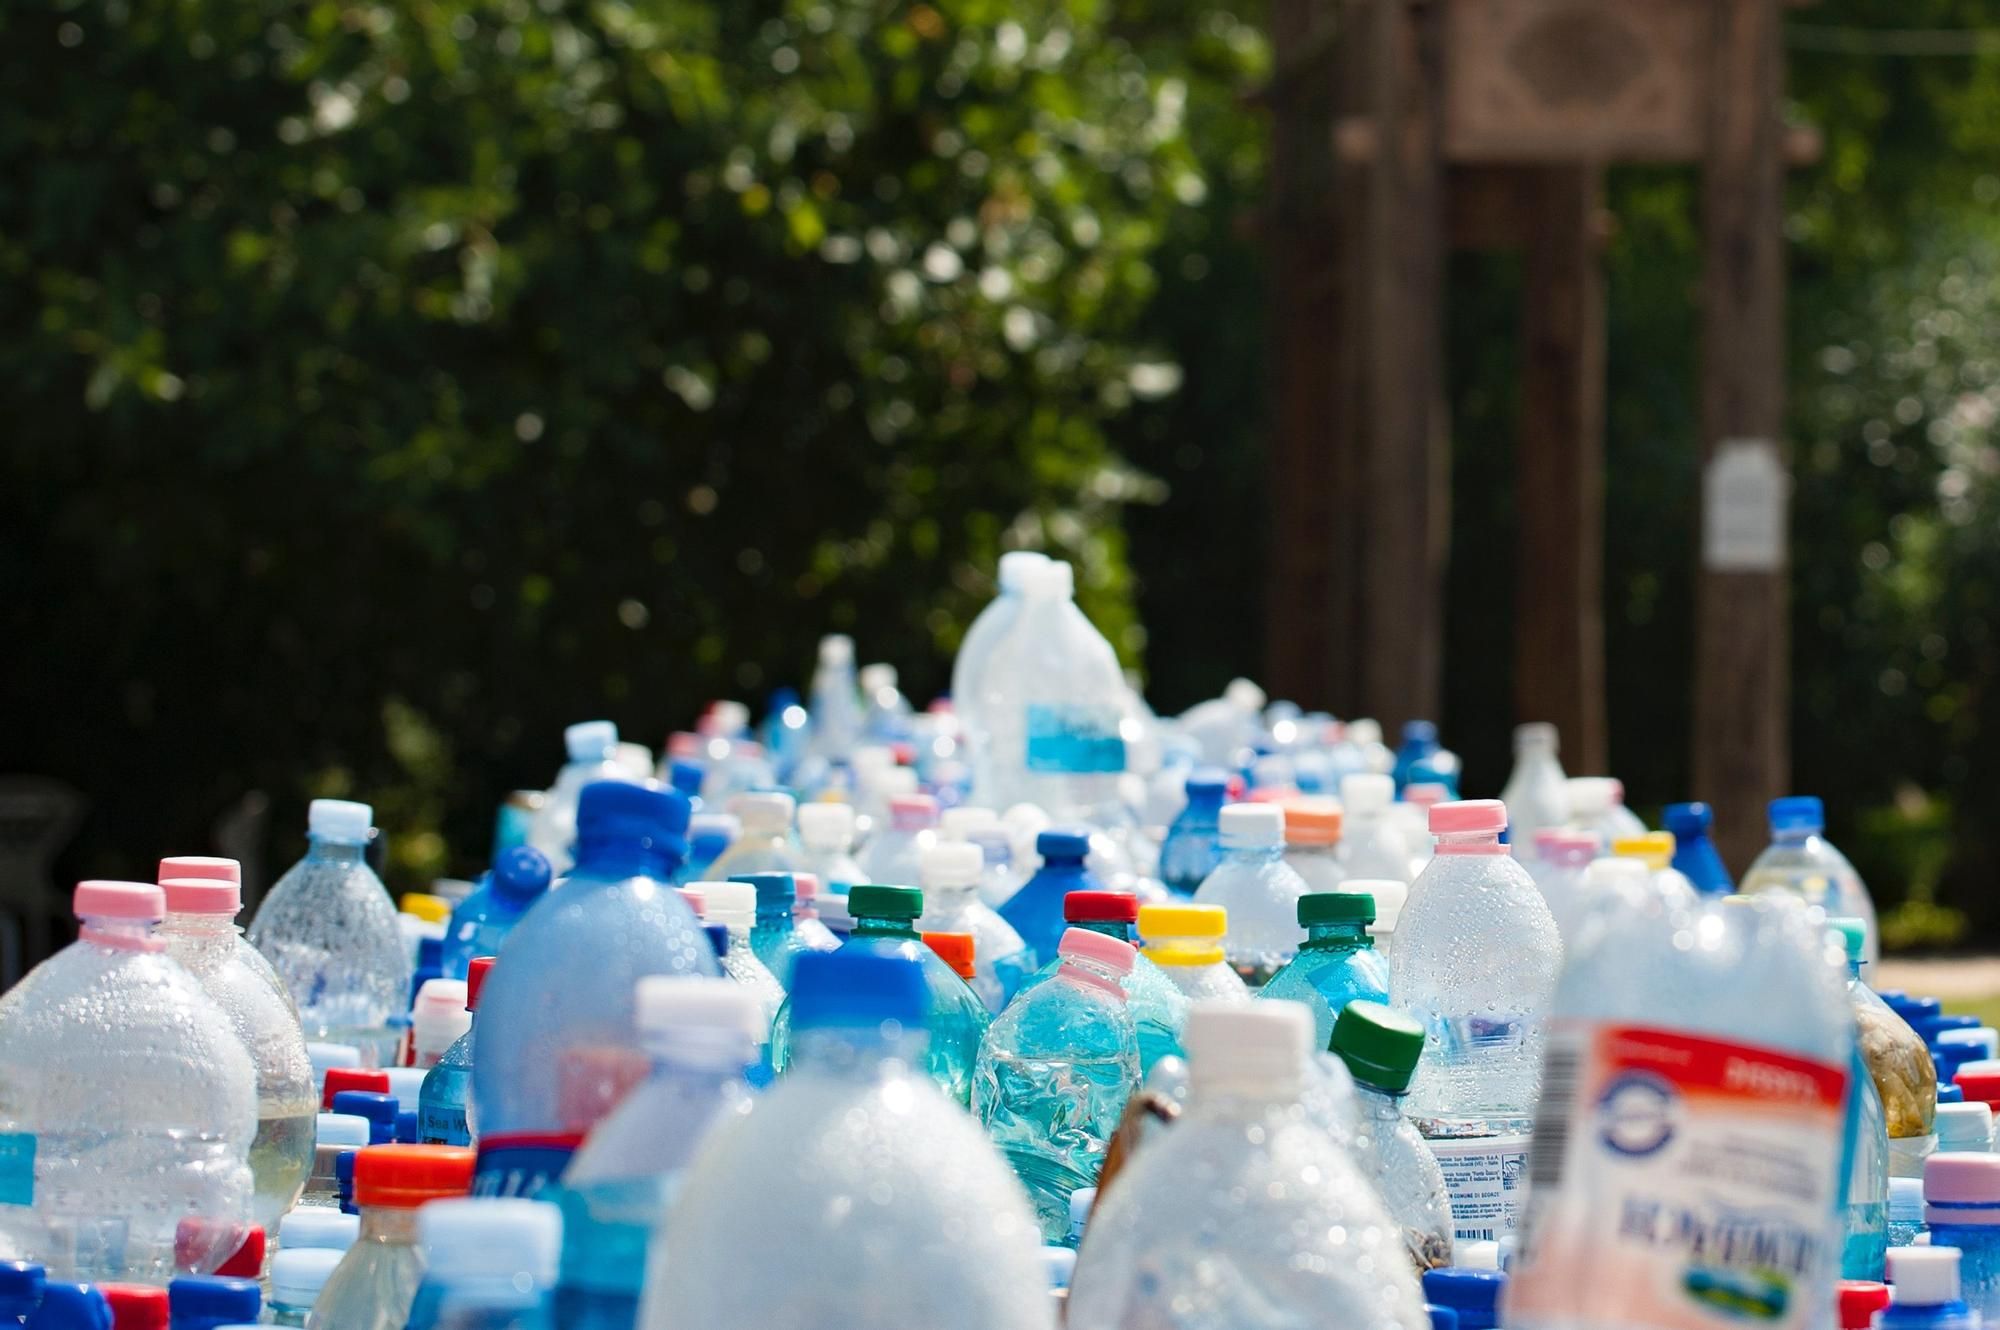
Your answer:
<point x="388" y="384"/>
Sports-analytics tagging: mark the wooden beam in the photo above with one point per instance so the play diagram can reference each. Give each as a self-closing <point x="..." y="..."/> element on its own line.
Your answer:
<point x="1742" y="642"/>
<point x="1559" y="475"/>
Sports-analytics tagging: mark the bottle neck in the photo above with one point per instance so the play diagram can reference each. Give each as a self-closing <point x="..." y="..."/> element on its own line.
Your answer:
<point x="1794" y="835"/>
<point x="858" y="1054"/>
<point x="866" y="926"/>
<point x="699" y="1056"/>
<point x="1337" y="937"/>
<point x="1377" y="1104"/>
<point x="1060" y="868"/>
<point x="1086" y="975"/>
<point x="1253" y="854"/>
<point x="200" y="940"/>
<point x="323" y="850"/>
<point x="389" y="1224"/>
<point x="1188" y="952"/>
<point x="774" y="915"/>
<point x="1472" y="844"/>
<point x="121" y="934"/>
<point x="1117" y="928"/>
<point x="621" y="857"/>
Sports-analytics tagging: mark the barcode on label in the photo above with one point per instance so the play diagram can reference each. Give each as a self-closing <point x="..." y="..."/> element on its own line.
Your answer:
<point x="1476" y="1235"/>
<point x="1550" y="1146"/>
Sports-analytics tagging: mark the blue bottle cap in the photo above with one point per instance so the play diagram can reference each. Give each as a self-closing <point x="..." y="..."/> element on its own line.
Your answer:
<point x="1442" y="1318"/>
<point x="430" y="954"/>
<point x="1930" y="1027"/>
<point x="1207" y="785"/>
<point x="213" y="1299"/>
<point x="618" y="810"/>
<point x="718" y="938"/>
<point x="772" y="888"/>
<point x="857" y="986"/>
<point x="68" y="1306"/>
<point x="522" y="871"/>
<point x="1951" y="1057"/>
<point x="1473" y="1294"/>
<point x="686" y="777"/>
<point x="1798" y="812"/>
<point x="378" y="1109"/>
<point x="1949" y="1093"/>
<point x="20" y="1286"/>
<point x="1419" y="732"/>
<point x="1063" y="843"/>
<point x="343" y="1176"/>
<point x="1911" y="1008"/>
<point x="1688" y="821"/>
<point x="406" y="1126"/>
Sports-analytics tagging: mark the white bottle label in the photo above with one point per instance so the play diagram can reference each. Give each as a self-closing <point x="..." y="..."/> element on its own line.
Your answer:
<point x="1487" y="1177"/>
<point x="1074" y="740"/>
<point x="1680" y="1182"/>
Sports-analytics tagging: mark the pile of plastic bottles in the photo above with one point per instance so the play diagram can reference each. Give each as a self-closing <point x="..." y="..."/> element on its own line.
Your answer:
<point x="1029" y="1007"/>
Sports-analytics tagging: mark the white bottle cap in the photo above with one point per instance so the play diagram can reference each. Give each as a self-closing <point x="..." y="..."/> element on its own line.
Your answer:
<point x="732" y="904"/>
<point x="824" y="826"/>
<point x="636" y="759"/>
<point x="1018" y="564"/>
<point x="682" y="1010"/>
<point x="871" y="760"/>
<point x="1389" y="894"/>
<point x="1365" y="793"/>
<point x="502" y="1238"/>
<point x="966" y="821"/>
<point x="323" y="1056"/>
<point x="590" y="740"/>
<point x="1257" y="1047"/>
<point x="438" y="1016"/>
<point x="341" y="821"/>
<point x="1590" y="796"/>
<point x="729" y="717"/>
<point x="1478" y="1254"/>
<point x="763" y="812"/>
<point x="298" y="1273"/>
<point x="1244" y="695"/>
<point x="836" y="649"/>
<point x="1617" y="874"/>
<point x="1536" y="734"/>
<point x="896" y="782"/>
<point x="948" y="864"/>
<point x="316" y="1226"/>
<point x="407" y="1083"/>
<point x="1252" y="825"/>
<point x="1983" y="1065"/>
<point x="1053" y="580"/>
<point x="1365" y="732"/>
<point x="877" y="678"/>
<point x="1059" y="1263"/>
<point x="342" y="1129"/>
<point x="1966" y="1126"/>
<point x="1923" y="1276"/>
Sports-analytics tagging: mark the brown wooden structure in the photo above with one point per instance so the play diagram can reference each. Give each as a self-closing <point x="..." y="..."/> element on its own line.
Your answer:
<point x="1405" y="127"/>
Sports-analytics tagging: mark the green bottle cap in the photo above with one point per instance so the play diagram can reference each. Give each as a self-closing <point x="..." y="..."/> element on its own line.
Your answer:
<point x="1336" y="907"/>
<point x="1379" y="1044"/>
<point x="1853" y="935"/>
<point x="871" y="902"/>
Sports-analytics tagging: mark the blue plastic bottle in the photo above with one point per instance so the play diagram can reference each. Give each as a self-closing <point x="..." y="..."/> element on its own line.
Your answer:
<point x="558" y="1047"/>
<point x="21" y="1284"/>
<point x="1695" y="855"/>
<point x="483" y="919"/>
<point x="1193" y="846"/>
<point x="1924" y="1292"/>
<point x="488" y="1265"/>
<point x="775" y="936"/>
<point x="66" y="1306"/>
<point x="1419" y="745"/>
<point x="1036" y="910"/>
<point x="686" y="777"/>
<point x="1962" y="1210"/>
<point x="446" y="1094"/>
<point x="1336" y="964"/>
<point x="203" y="1302"/>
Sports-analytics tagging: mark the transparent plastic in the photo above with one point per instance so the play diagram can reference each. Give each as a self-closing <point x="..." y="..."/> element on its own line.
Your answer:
<point x="1336" y="965"/>
<point x="1803" y="862"/>
<point x="1158" y="1008"/>
<point x="445" y="1113"/>
<point x="482" y="921"/>
<point x="1535" y="794"/>
<point x="1391" y="1154"/>
<point x="1002" y="962"/>
<point x="375" y="1284"/>
<point x="1261" y="892"/>
<point x="1193" y="845"/>
<point x="553" y="831"/>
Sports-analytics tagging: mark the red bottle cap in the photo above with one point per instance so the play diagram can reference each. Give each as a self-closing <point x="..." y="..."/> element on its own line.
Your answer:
<point x="1100" y="907"/>
<point x="248" y="1262"/>
<point x="351" y="1078"/>
<point x="136" y="1306"/>
<point x="1860" y="1299"/>
<point x="475" y="979"/>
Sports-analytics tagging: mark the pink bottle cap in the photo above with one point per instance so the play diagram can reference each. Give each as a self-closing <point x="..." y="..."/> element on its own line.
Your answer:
<point x="912" y="812"/>
<point x="1962" y="1179"/>
<point x="187" y="867"/>
<point x="805" y="886"/>
<point x="201" y="895"/>
<point x="1108" y="952"/>
<point x="1468" y="817"/>
<point x="118" y="900"/>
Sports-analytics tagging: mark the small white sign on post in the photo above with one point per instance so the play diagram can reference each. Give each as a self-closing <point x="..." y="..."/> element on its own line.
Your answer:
<point x="1744" y="491"/>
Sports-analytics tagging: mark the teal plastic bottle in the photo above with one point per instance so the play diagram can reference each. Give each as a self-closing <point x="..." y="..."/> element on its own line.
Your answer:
<point x="1337" y="963"/>
<point x="1159" y="1009"/>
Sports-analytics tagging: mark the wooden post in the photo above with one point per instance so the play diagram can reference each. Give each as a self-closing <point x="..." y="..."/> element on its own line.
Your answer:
<point x="1559" y="477"/>
<point x="1742" y="685"/>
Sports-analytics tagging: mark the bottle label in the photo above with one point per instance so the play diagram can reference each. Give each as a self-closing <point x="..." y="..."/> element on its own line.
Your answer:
<point x="443" y="1124"/>
<point x="522" y="1163"/>
<point x="17" y="1168"/>
<point x="1487" y="1177"/>
<point x="1680" y="1182"/>
<point x="1076" y="740"/>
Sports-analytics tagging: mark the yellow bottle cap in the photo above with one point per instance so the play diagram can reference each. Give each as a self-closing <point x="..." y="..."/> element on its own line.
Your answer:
<point x="1183" y="934"/>
<point x="431" y="909"/>
<point x="1655" y="849"/>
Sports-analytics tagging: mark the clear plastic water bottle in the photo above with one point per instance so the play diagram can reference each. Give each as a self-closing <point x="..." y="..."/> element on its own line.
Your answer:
<point x="1655" y="850"/>
<point x="1898" y="1066"/>
<point x="1563" y="859"/>
<point x="702" y="1034"/>
<point x="1380" y="1048"/>
<point x="1695" y="855"/>
<point x="1243" y="1215"/>
<point x="1158" y="1009"/>
<point x="299" y="1276"/>
<point x="734" y="906"/>
<point x="949" y="873"/>
<point x="774" y="934"/>
<point x="1477" y="953"/>
<point x="894" y="1207"/>
<point x="1259" y="890"/>
<point x="1536" y="795"/>
<point x="1371" y="842"/>
<point x="812" y="930"/>
<point x="884" y="921"/>
<point x="1055" y="1070"/>
<point x="1680" y="1045"/>
<point x="1185" y="941"/>
<point x="1597" y="805"/>
<point x="592" y="749"/>
<point x="1802" y="861"/>
<point x="130" y="1104"/>
<point x="894" y="856"/>
<point x="488" y="1265"/>
<point x="1867" y="1218"/>
<point x="558" y="1047"/>
<point x="439" y="1019"/>
<point x="885" y="712"/>
<point x="329" y="930"/>
<point x="836" y="701"/>
<point x="709" y="836"/>
<point x="444" y="1101"/>
<point x="766" y="844"/>
<point x="200" y="932"/>
<point x="1193" y="845"/>
<point x="1962" y="1210"/>
<point x="375" y="1283"/>
<point x="1337" y="964"/>
<point x="481" y="922"/>
<point x="975" y="650"/>
<point x="1035" y="912"/>
<point x="206" y="1302"/>
<point x="1925" y="1295"/>
<point x="826" y="832"/>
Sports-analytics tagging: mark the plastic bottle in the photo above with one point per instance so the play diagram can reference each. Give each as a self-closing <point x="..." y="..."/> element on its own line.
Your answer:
<point x="1801" y="860"/>
<point x="1055" y="1070"/>
<point x="297" y="1278"/>
<point x="734" y="906"/>
<point x="1243" y="1215"/>
<point x="1597" y="805"/>
<point x="1695" y="854"/>
<point x="1380" y="1048"/>
<point x="1185" y="941"/>
<point x="376" y="1281"/>
<point x="1535" y="794"/>
<point x="1336" y="964"/>
<point x="806" y="922"/>
<point x="893" y="1207"/>
<point x="975" y="649"/>
<point x="444" y="1101"/>
<point x="894" y="855"/>
<point x="481" y="922"/>
<point x="1867" y="1218"/>
<point x="950" y="873"/>
<point x="774" y="934"/>
<point x="1477" y="953"/>
<point x="149" y="1122"/>
<point x="885" y="712"/>
<point x="709" y="836"/>
<point x="1035" y="912"/>
<point x="1904" y="1077"/>
<point x="1906" y="1210"/>
<point x="1962" y="1210"/>
<point x="557" y="1043"/>
<point x="438" y="1019"/>
<point x="1732" y="1019"/>
<point x="1655" y="849"/>
<point x="1158" y="1008"/>
<point x="1925" y="1295"/>
<point x="1372" y="845"/>
<point x="1564" y="857"/>
<point x="826" y="832"/>
<point x="836" y="702"/>
<point x="766" y="844"/>
<point x="204" y="1302"/>
<point x="488" y="1265"/>
<point x="329" y="930"/>
<point x="200" y="932"/>
<point x="1312" y="843"/>
<point x="1193" y="845"/>
<point x="592" y="747"/>
<point x="1259" y="890"/>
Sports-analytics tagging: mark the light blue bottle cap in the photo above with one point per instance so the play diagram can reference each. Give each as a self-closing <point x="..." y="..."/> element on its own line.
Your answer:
<point x="326" y="1056"/>
<point x="312" y="1226"/>
<point x="499" y="1238"/>
<point x="298" y="1275"/>
<point x="344" y="1129"/>
<point x="1060" y="1263"/>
